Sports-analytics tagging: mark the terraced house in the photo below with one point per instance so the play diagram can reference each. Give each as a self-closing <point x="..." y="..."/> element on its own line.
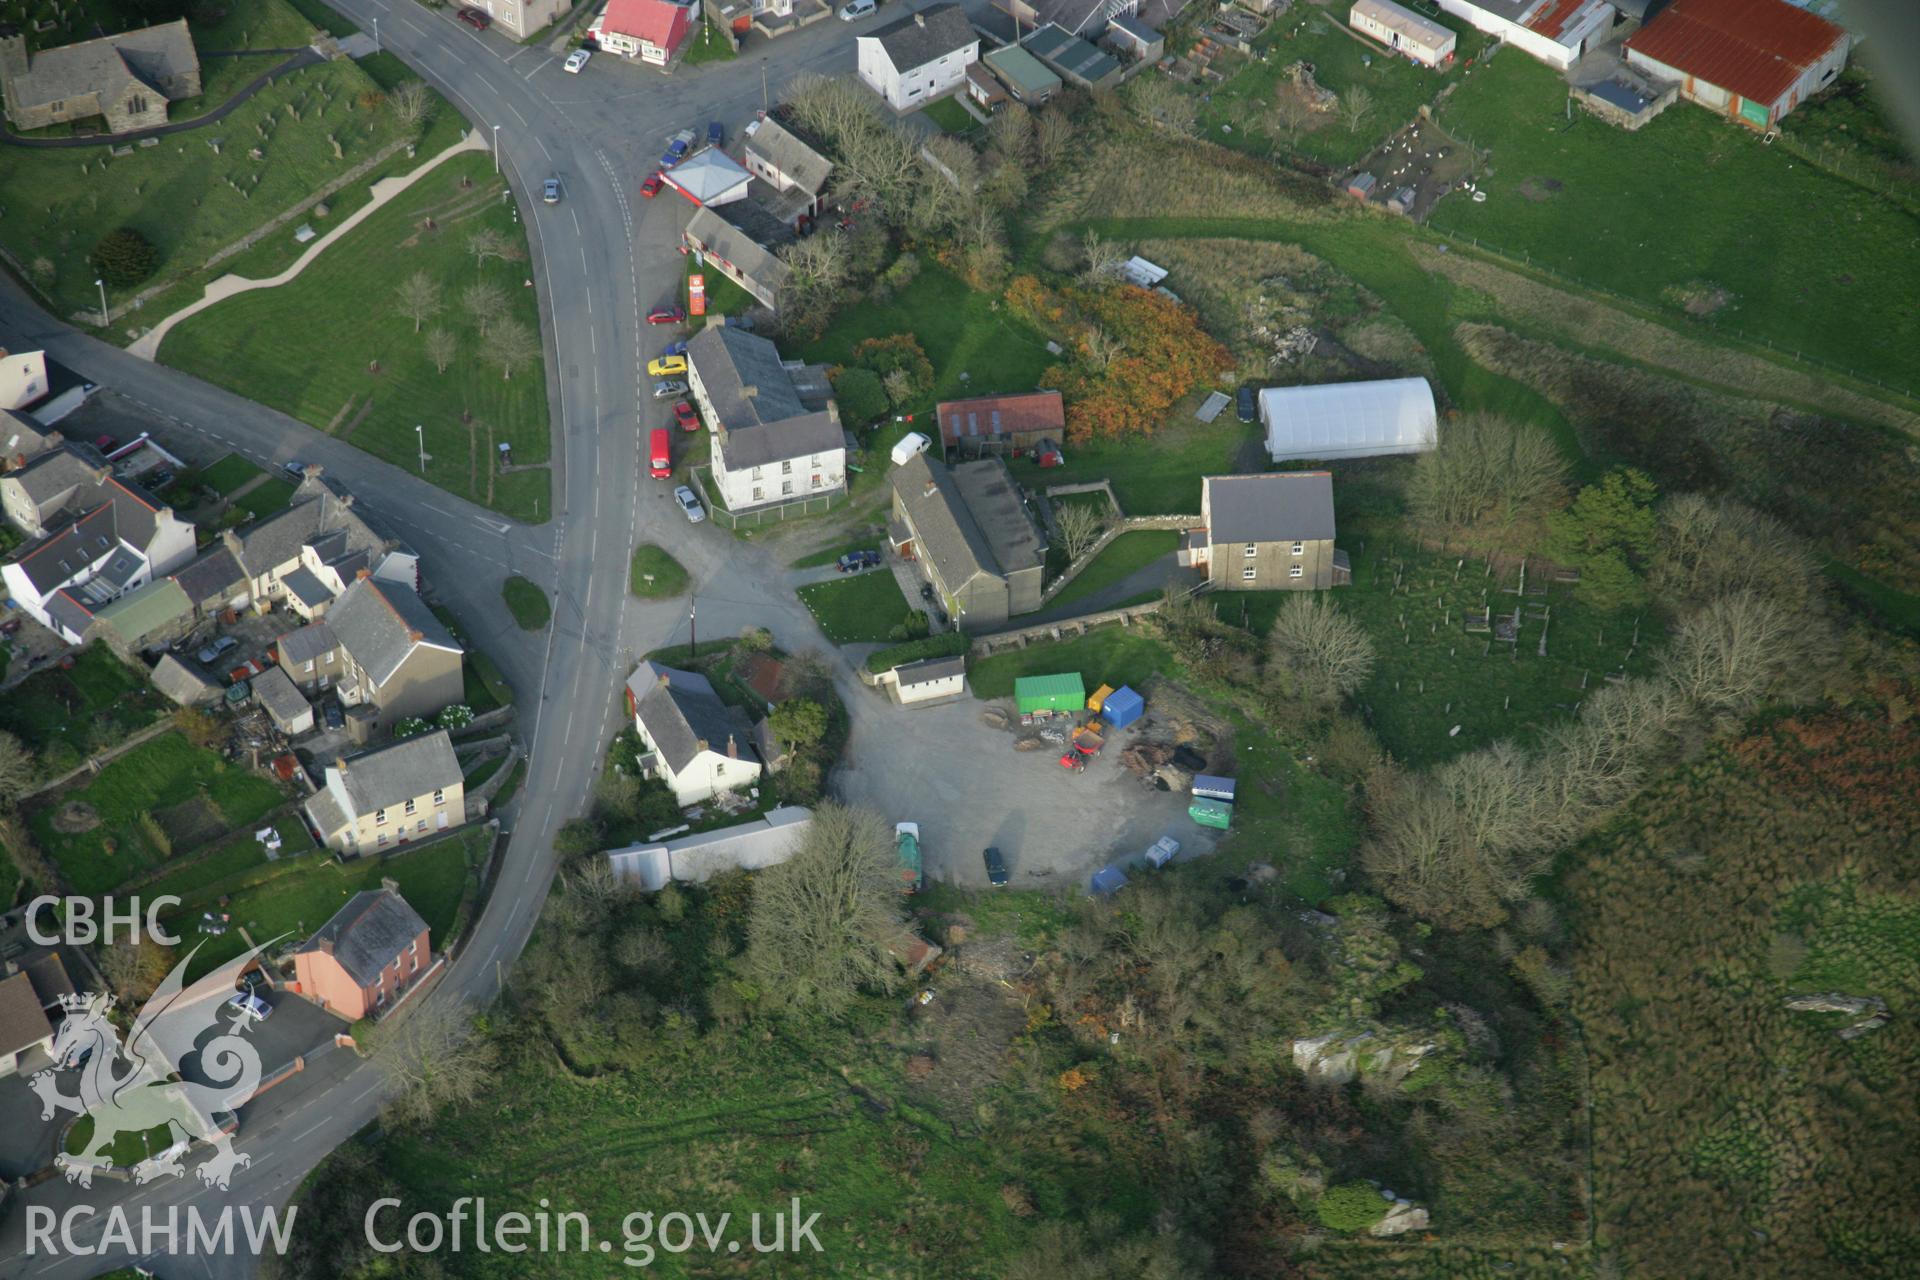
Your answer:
<point x="306" y="556"/>
<point x="379" y="649"/>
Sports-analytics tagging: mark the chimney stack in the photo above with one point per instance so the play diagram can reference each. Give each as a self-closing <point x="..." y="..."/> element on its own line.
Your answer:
<point x="703" y="743"/>
<point x="920" y="19"/>
<point x="324" y="945"/>
<point x="389" y="884"/>
<point x="340" y="764"/>
<point x="416" y="636"/>
<point x="733" y="748"/>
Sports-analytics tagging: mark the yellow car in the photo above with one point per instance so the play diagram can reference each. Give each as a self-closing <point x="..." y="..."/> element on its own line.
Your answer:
<point x="667" y="367"/>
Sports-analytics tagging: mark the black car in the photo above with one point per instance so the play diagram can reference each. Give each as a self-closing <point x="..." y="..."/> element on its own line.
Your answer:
<point x="336" y="718"/>
<point x="1246" y="406"/>
<point x="855" y="561"/>
<point x="254" y="980"/>
<point x="926" y="592"/>
<point x="996" y="867"/>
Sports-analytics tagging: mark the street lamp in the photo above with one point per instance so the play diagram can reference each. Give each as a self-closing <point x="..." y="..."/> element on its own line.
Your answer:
<point x="376" y="35"/>
<point x="763" y="84"/>
<point x="420" y="433"/>
<point x="496" y="148"/>
<point x="105" y="319"/>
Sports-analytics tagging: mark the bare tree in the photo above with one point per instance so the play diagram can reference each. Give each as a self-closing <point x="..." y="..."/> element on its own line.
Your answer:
<point x="1355" y="105"/>
<point x="831" y="107"/>
<point x="1079" y="526"/>
<point x="419" y="299"/>
<point x="18" y="771"/>
<point x="511" y="344"/>
<point x="1597" y="761"/>
<point x="486" y="302"/>
<point x="899" y="387"/>
<point x="1102" y="348"/>
<point x="442" y="347"/>
<point x="487" y="243"/>
<point x="876" y="164"/>
<point x="817" y="269"/>
<point x="820" y="923"/>
<point x="951" y="176"/>
<point x="1052" y="135"/>
<point x="431" y="1057"/>
<point x="1319" y="652"/>
<point x="1158" y="99"/>
<point x="1743" y="650"/>
<point x="411" y="103"/>
<point x="1104" y="257"/>
<point x="1291" y="114"/>
<point x="134" y="968"/>
<point x="1707" y="547"/>
<point x="1011" y="132"/>
<point x="984" y="238"/>
<point x="1483" y="464"/>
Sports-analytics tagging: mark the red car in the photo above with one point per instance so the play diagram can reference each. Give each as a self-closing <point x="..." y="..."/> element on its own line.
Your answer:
<point x="684" y="415"/>
<point x="667" y="315"/>
<point x="475" y="18"/>
<point x="651" y="187"/>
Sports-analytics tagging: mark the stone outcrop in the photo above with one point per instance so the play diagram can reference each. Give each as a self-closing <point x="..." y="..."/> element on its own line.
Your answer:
<point x="1341" y="1056"/>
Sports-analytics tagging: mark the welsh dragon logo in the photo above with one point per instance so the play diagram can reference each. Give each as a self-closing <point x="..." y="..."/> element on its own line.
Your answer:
<point x="149" y="1093"/>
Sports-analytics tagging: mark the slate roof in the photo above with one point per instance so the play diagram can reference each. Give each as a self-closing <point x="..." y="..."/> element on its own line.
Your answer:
<point x="723" y="239"/>
<point x="303" y="585"/>
<point x="148" y="55"/>
<point x="21" y="1021"/>
<point x="282" y="701"/>
<point x="682" y="711"/>
<point x="307" y="643"/>
<point x="182" y="683"/>
<point x="1071" y="55"/>
<point x="22" y="437"/>
<point x="54" y="472"/>
<point x="928" y="670"/>
<point x="213" y="575"/>
<point x="48" y="974"/>
<point x="69" y="615"/>
<point x="785" y="151"/>
<point x="762" y="416"/>
<point x="945" y="530"/>
<point x="926" y="36"/>
<point x="382" y="623"/>
<point x="369" y="933"/>
<point x="323" y="808"/>
<point x="320" y="508"/>
<point x="1284" y="506"/>
<point x="76" y="546"/>
<point x="396" y="773"/>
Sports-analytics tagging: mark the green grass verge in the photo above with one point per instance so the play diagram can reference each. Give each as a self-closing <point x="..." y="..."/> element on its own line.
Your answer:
<point x="373" y="381"/>
<point x="821" y="559"/>
<point x="707" y="46"/>
<point x="485" y="686"/>
<point x="1126" y="554"/>
<point x="1110" y="655"/>
<point x="128" y="1148"/>
<point x="724" y="297"/>
<point x="864" y="607"/>
<point x="945" y="645"/>
<point x="655" y="575"/>
<point x="166" y="771"/>
<point x="527" y="603"/>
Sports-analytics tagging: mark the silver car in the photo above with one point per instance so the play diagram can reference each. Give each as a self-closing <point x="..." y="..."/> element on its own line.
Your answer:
<point x="550" y="191"/>
<point x="669" y="387"/>
<point x="690" y="504"/>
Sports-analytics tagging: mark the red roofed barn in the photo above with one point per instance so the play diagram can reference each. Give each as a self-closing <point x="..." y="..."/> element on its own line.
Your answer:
<point x="650" y="30"/>
<point x="1011" y="424"/>
<point x="1750" y="60"/>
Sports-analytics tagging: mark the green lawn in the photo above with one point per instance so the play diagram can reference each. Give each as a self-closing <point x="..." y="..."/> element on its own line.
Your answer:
<point x="65" y="715"/>
<point x="1813" y="263"/>
<point x="269" y="497"/>
<point x="1126" y="554"/>
<point x="1160" y="476"/>
<point x="1397" y="87"/>
<point x="295" y="896"/>
<point x="233" y="857"/>
<point x="156" y="776"/>
<point x="128" y="1148"/>
<point x="485" y="687"/>
<point x="189" y="201"/>
<point x="949" y="115"/>
<point x="820" y="559"/>
<point x="1110" y="655"/>
<point x="373" y="380"/>
<point x="527" y="603"/>
<point x="229" y="473"/>
<point x="957" y="327"/>
<point x="708" y="46"/>
<point x="724" y="297"/>
<point x="863" y="607"/>
<point x="1300" y="821"/>
<point x="654" y="574"/>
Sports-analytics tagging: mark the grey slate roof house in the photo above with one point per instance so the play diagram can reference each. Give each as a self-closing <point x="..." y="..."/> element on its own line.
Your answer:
<point x="783" y="160"/>
<point x="392" y="794"/>
<point x="918" y="58"/>
<point x="23" y="438"/>
<point x="322" y="533"/>
<point x="366" y="956"/>
<point x="970" y="531"/>
<point x="777" y="435"/>
<point x="127" y="78"/>
<point x="213" y="581"/>
<point x="1269" y="532"/>
<point x="696" y="744"/>
<point x="737" y="255"/>
<point x="380" y="647"/>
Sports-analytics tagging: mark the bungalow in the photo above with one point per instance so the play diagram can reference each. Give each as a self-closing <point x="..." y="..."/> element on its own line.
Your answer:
<point x="1402" y="31"/>
<point x="367" y="956"/>
<point x="776" y="439"/>
<point x="970" y="532"/>
<point x="396" y="793"/>
<point x="698" y="745"/>
<point x="1270" y="532"/>
<point x="911" y="62"/>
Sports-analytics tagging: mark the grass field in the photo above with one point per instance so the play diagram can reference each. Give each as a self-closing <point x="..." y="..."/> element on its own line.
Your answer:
<point x="65" y="715"/>
<point x="1687" y="205"/>
<point x="1398" y="88"/>
<point x="200" y="881"/>
<point x="1111" y="655"/>
<point x="153" y="778"/>
<point x="864" y="607"/>
<point x="374" y="380"/>
<point x="527" y="603"/>
<point x="1124" y="555"/>
<point x="1161" y="477"/>
<point x="654" y="574"/>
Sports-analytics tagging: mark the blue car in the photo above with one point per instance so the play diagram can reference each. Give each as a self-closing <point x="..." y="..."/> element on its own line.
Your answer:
<point x="715" y="133"/>
<point x="674" y="349"/>
<point x="677" y="149"/>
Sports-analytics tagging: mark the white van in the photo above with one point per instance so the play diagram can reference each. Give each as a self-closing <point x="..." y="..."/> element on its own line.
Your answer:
<point x="911" y="443"/>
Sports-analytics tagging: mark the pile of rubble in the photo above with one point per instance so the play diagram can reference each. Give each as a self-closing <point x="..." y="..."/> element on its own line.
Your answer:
<point x="1317" y="96"/>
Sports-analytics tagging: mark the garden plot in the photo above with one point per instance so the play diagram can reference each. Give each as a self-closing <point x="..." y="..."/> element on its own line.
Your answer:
<point x="1420" y="160"/>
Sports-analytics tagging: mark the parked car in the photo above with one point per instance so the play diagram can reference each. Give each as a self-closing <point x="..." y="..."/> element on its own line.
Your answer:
<point x="677" y="149"/>
<point x="857" y="9"/>
<point x="909" y="444"/>
<point x="996" y="867"/>
<point x="660" y="454"/>
<point x="212" y="652"/>
<point x="476" y="19"/>
<point x="666" y="366"/>
<point x="683" y="413"/>
<point x="676" y="348"/>
<point x="295" y="468"/>
<point x="690" y="504"/>
<point x="250" y="1006"/>
<point x="155" y="480"/>
<point x="1246" y="406"/>
<point x="550" y="191"/>
<point x="335" y="715"/>
<point x="716" y="133"/>
<point x="254" y="980"/>
<point x="106" y="444"/>
<point x="576" y="60"/>
<point x="651" y="187"/>
<point x="855" y="561"/>
<point x="666" y="315"/>
<point x="669" y="387"/>
<point x="926" y="592"/>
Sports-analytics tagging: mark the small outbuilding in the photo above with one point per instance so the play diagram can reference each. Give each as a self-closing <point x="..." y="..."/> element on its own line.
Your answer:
<point x="1122" y="707"/>
<point x="1212" y="787"/>
<point x="182" y="684"/>
<point x="1350" y="419"/>
<point x="1049" y="693"/>
<point x="1403" y="31"/>
<point x="1361" y="186"/>
<point x="930" y="679"/>
<point x="290" y="713"/>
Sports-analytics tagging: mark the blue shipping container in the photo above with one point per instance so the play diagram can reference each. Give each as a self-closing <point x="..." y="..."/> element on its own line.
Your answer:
<point x="1122" y="707"/>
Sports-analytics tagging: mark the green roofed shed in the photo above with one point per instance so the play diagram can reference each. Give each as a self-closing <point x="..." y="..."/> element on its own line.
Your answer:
<point x="1050" y="693"/>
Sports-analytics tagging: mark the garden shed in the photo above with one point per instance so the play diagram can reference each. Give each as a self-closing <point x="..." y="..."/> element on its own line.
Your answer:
<point x="1050" y="693"/>
<point x="1122" y="707"/>
<point x="1349" y="419"/>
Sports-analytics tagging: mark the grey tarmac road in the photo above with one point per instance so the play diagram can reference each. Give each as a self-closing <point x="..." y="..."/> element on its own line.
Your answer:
<point x="600" y="259"/>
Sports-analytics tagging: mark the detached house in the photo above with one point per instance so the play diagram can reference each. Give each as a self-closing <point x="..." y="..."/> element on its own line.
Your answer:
<point x="379" y="647"/>
<point x="389" y="796"/>
<point x="99" y="538"/>
<point x="795" y="171"/>
<point x="127" y="79"/>
<point x="777" y="435"/>
<point x="366" y="957"/>
<point x="696" y="744"/>
<point x="922" y="56"/>
<point x="1269" y="532"/>
<point x="649" y="31"/>
<point x="971" y="534"/>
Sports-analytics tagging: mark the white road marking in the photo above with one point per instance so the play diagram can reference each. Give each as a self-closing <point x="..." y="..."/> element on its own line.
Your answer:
<point x="542" y="67"/>
<point x="516" y="113"/>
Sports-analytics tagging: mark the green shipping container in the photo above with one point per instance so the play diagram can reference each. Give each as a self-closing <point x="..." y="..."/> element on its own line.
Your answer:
<point x="1050" y="693"/>
<point x="1211" y="813"/>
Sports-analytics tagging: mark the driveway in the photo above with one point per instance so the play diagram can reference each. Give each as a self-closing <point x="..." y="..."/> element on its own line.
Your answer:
<point x="296" y="1027"/>
<point x="26" y="1141"/>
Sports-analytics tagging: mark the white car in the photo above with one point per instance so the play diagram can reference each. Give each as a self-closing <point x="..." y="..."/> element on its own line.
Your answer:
<point x="856" y="9"/>
<point x="911" y="443"/>
<point x="577" y="59"/>
<point x="250" y="1006"/>
<point x="690" y="504"/>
